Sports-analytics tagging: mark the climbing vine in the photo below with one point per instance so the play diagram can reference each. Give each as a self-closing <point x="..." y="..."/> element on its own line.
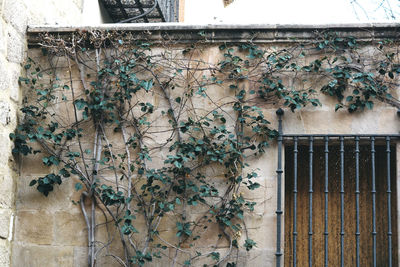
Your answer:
<point x="160" y="140"/>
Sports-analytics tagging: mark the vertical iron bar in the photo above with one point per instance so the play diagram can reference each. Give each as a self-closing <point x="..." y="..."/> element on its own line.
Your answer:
<point x="295" y="151"/>
<point x="121" y="7"/>
<point x="176" y="11"/>
<point x="310" y="191"/>
<point x="326" y="199"/>
<point x="389" y="201"/>
<point x="279" y="172"/>
<point x="373" y="202"/>
<point x="140" y="6"/>
<point x="341" y="201"/>
<point x="357" y="152"/>
<point x="161" y="13"/>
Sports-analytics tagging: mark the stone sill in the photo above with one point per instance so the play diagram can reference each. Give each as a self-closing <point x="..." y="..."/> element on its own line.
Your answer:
<point x="234" y="33"/>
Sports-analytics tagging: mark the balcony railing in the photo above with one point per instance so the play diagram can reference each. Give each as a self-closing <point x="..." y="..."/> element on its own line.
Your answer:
<point x="136" y="11"/>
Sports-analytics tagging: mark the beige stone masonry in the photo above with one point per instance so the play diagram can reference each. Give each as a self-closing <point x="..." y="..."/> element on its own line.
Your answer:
<point x="51" y="232"/>
<point x="14" y="18"/>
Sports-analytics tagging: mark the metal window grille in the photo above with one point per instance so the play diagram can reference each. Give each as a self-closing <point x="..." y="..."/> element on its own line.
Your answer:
<point x="344" y="144"/>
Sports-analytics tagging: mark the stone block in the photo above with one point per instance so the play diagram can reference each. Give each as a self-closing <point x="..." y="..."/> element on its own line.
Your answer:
<point x="35" y="227"/>
<point x="80" y="256"/>
<point x="240" y="257"/>
<point x="15" y="46"/>
<point x="257" y="193"/>
<point x="213" y="170"/>
<point x="271" y="195"/>
<point x="70" y="229"/>
<point x="257" y="223"/>
<point x="388" y="121"/>
<point x="260" y="257"/>
<point x="292" y="122"/>
<point x="323" y="122"/>
<point x="167" y="223"/>
<point x="5" y="113"/>
<point x="4" y="77"/>
<point x="32" y="165"/>
<point x="6" y="191"/>
<point x="265" y="164"/>
<point x="38" y="256"/>
<point x="366" y="122"/>
<point x="14" y="71"/>
<point x="315" y="121"/>
<point x="114" y="247"/>
<point x="206" y="259"/>
<point x="4" y="255"/>
<point x="169" y="236"/>
<point x="28" y="198"/>
<point x="5" y="218"/>
<point x="3" y="43"/>
<point x="210" y="236"/>
<point x="15" y="13"/>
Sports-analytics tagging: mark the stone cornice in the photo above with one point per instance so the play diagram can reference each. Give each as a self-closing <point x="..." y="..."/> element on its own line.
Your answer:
<point x="219" y="33"/>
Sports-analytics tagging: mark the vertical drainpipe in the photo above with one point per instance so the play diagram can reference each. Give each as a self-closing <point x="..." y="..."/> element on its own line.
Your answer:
<point x="279" y="172"/>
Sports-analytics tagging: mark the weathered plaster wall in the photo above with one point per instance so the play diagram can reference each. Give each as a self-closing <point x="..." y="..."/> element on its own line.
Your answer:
<point x="51" y="231"/>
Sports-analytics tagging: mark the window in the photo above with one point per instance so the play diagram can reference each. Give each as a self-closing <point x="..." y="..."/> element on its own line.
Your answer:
<point x="342" y="205"/>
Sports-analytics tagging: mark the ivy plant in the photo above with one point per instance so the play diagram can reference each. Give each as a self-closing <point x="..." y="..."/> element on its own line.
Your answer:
<point x="161" y="139"/>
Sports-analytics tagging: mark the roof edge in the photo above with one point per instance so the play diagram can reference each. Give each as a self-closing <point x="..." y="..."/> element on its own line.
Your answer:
<point x="260" y="33"/>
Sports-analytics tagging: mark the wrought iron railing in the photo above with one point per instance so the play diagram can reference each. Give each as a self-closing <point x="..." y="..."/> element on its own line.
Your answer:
<point x="133" y="11"/>
<point x="170" y="9"/>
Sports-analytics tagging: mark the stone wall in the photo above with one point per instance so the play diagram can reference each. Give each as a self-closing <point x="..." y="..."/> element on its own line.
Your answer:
<point x="51" y="231"/>
<point x="15" y="16"/>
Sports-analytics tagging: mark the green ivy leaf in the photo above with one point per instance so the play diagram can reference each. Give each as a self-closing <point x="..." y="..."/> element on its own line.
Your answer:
<point x="338" y="106"/>
<point x="78" y="186"/>
<point x="349" y="98"/>
<point x="80" y="104"/>
<point x="249" y="244"/>
<point x="369" y="104"/>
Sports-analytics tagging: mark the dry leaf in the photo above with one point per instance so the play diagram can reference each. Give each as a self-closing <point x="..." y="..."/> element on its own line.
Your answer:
<point x="227" y="2"/>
